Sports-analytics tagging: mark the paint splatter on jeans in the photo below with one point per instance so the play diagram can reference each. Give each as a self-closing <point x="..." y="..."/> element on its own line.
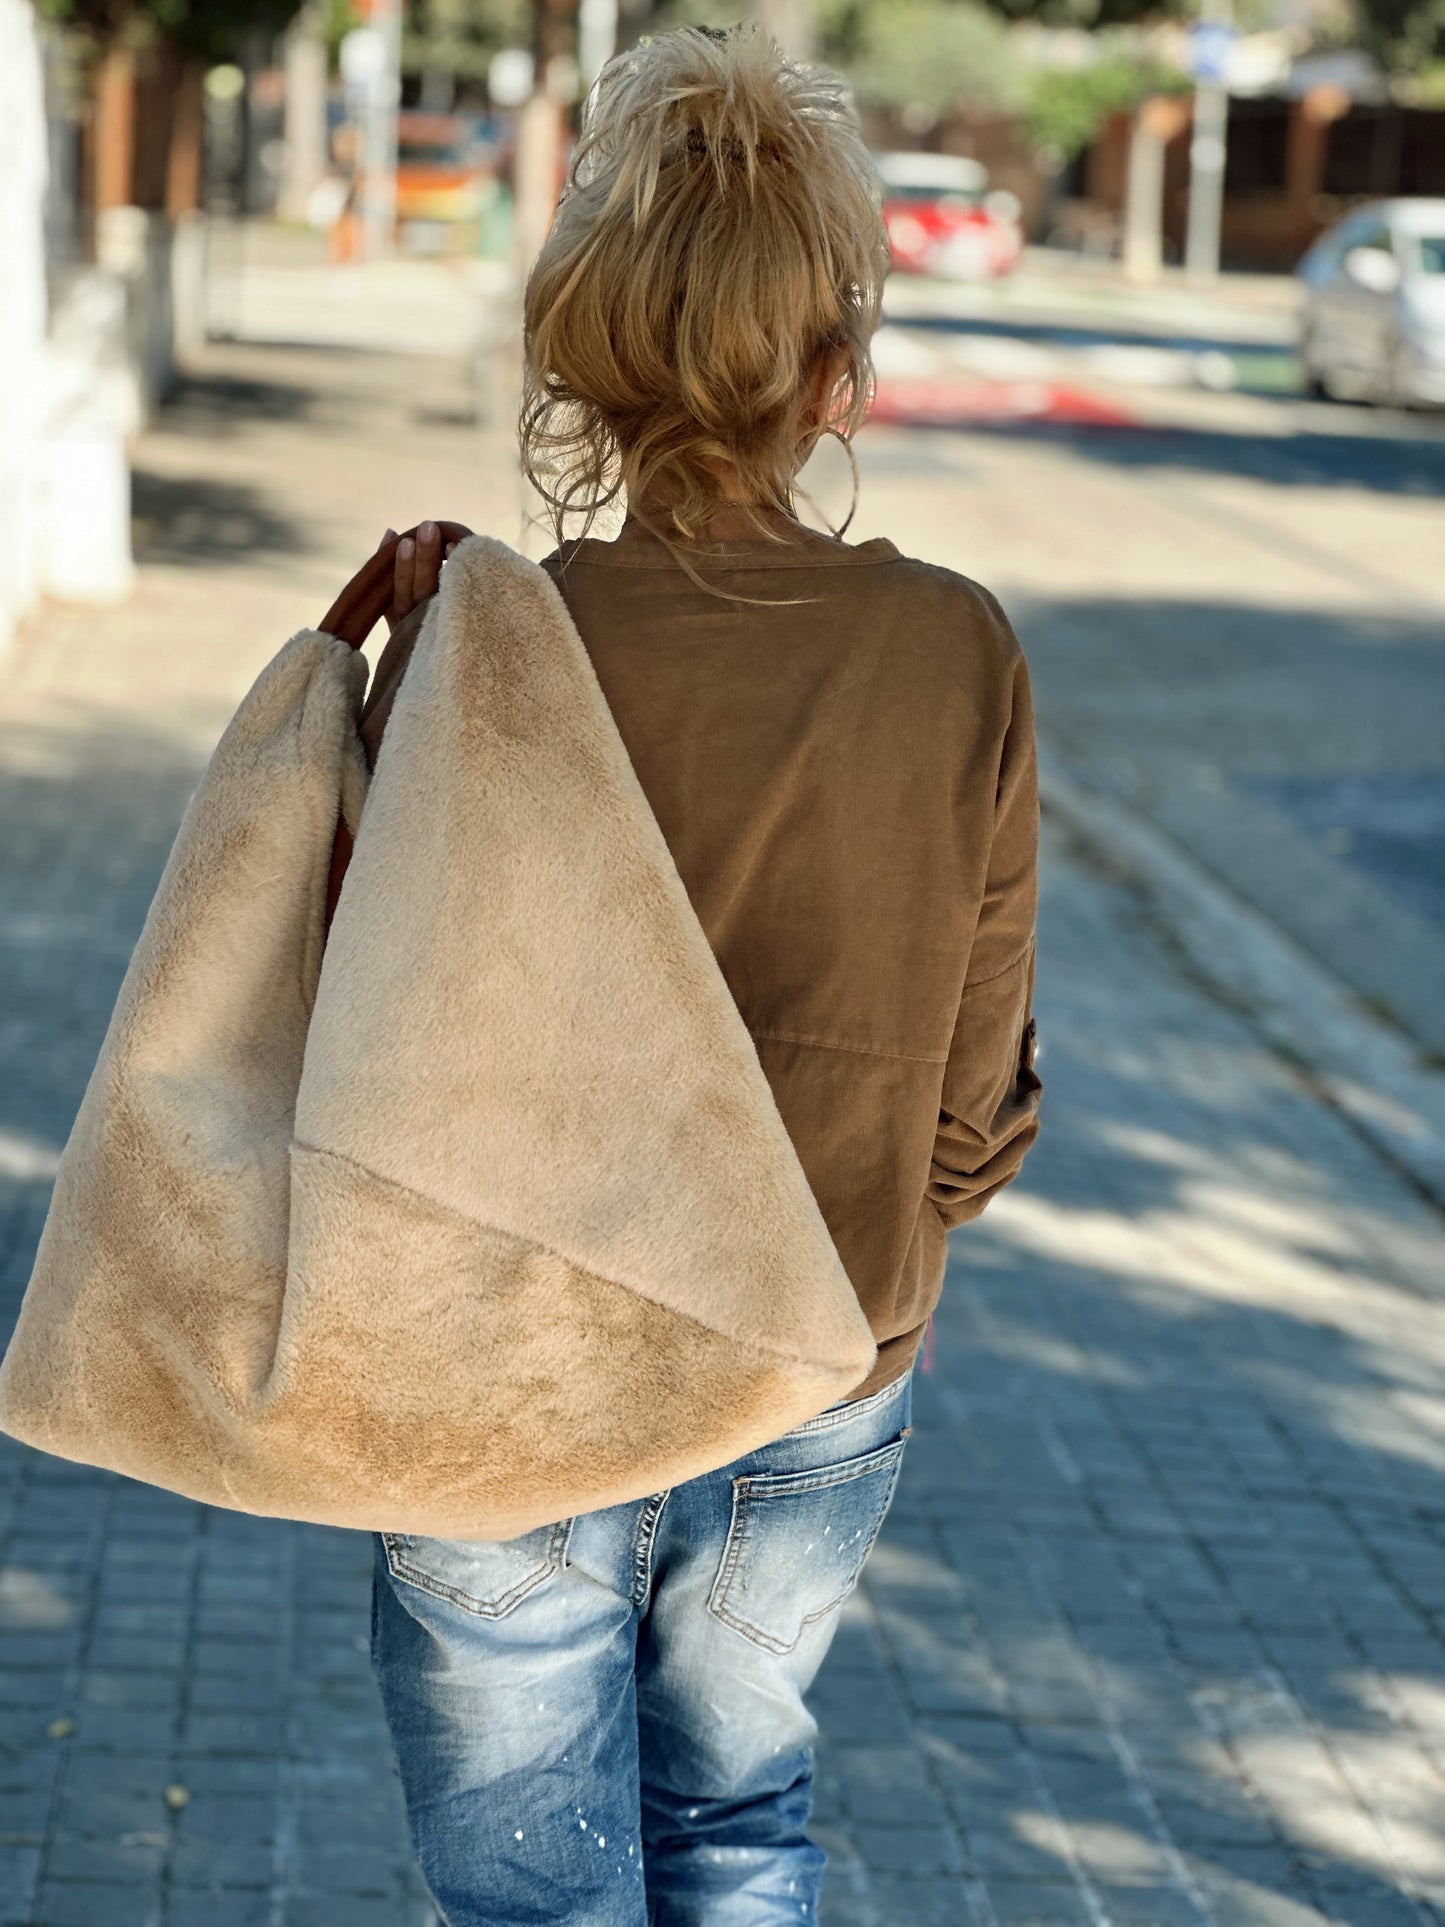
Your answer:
<point x="602" y="1723"/>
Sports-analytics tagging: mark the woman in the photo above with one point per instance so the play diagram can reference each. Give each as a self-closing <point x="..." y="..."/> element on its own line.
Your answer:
<point x="602" y="1723"/>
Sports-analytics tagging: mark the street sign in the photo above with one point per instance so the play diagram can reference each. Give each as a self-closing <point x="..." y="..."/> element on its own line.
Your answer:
<point x="1210" y="42"/>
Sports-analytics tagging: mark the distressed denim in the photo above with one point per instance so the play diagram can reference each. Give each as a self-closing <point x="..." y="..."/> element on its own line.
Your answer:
<point x="602" y="1723"/>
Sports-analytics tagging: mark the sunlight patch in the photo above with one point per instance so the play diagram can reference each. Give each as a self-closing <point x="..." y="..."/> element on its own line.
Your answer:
<point x="26" y="1160"/>
<point x="28" y="1600"/>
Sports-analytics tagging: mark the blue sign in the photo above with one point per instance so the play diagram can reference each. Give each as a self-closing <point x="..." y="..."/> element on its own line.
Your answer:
<point x="1209" y="45"/>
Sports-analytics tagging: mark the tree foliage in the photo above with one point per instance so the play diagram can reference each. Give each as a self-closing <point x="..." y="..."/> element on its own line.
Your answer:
<point x="214" y="29"/>
<point x="461" y="36"/>
<point x="1404" y="35"/>
<point x="1068" y="106"/>
<point x="1095" y="13"/>
<point x="933" y="54"/>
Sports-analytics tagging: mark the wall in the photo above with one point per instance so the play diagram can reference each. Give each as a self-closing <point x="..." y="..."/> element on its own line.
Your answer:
<point x="1293" y="168"/>
<point x="22" y="306"/>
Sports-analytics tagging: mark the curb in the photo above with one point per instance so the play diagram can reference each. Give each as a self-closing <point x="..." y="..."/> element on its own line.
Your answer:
<point x="1369" y="1072"/>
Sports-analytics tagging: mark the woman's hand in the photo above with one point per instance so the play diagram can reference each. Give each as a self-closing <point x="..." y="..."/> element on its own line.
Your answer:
<point x="418" y="570"/>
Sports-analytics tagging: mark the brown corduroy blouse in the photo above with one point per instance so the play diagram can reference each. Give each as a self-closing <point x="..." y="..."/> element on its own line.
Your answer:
<point x="846" y="781"/>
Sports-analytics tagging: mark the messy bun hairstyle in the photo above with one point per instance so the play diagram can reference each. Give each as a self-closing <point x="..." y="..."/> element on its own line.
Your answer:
<point x="720" y="229"/>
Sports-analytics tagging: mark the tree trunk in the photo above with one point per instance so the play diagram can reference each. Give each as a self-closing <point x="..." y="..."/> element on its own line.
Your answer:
<point x="112" y="135"/>
<point x="183" y="158"/>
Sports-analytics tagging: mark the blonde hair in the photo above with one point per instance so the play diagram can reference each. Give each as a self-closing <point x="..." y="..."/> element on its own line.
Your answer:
<point x="720" y="230"/>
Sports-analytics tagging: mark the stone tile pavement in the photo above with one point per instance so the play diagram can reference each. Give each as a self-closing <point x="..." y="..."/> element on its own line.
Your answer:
<point x="1153" y="1637"/>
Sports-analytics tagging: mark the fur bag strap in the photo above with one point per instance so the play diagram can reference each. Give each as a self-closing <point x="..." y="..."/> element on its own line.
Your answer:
<point x="351" y="619"/>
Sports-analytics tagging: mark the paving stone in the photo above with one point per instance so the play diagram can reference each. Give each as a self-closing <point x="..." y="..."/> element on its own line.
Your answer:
<point x="887" y="1785"/>
<point x="1007" y="1855"/>
<point x="190" y="1907"/>
<point x="1039" y="1903"/>
<point x="1242" y="1904"/>
<point x="112" y="1793"/>
<point x="19" y="1873"/>
<point x="228" y="1816"/>
<point x="204" y="1861"/>
<point x="902" y="1848"/>
<point x="926" y="1902"/>
<point x="1145" y="1906"/>
<point x="94" y="1903"/>
<point x="233" y="1733"/>
<point x="149" y="1691"/>
<point x="132" y="1858"/>
<point x="23" y="1688"/>
<point x="1375" y="1906"/>
<point x="224" y="1775"/>
<point x="339" y="1910"/>
<point x="1190" y="1824"/>
<point x="124" y="1654"/>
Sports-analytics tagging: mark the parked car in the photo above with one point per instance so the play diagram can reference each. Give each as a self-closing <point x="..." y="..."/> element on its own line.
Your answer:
<point x="1372" y="319"/>
<point x="942" y="219"/>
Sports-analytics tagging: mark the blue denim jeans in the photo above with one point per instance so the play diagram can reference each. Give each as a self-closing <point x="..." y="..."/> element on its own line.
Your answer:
<point x="602" y="1723"/>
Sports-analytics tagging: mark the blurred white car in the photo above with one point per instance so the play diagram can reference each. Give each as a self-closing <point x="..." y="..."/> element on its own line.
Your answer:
<point x="1372" y="323"/>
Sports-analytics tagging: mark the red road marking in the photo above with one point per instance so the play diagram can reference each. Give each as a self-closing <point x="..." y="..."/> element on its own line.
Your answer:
<point x="956" y="400"/>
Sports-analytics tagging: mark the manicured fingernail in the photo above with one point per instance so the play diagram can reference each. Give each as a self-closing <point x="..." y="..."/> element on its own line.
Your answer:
<point x="450" y="547"/>
<point x="390" y="536"/>
<point x="406" y="549"/>
<point x="428" y="531"/>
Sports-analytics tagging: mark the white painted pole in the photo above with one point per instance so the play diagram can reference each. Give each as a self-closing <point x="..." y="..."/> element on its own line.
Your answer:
<point x="596" y="38"/>
<point x="793" y="24"/>
<point x="305" y="123"/>
<point x="1206" y="158"/>
<point x="1144" y="201"/>
<point x="379" y="137"/>
<point x="22" y="308"/>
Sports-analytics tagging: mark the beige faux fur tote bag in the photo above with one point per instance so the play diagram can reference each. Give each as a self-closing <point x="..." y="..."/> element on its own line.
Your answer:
<point x="473" y="1215"/>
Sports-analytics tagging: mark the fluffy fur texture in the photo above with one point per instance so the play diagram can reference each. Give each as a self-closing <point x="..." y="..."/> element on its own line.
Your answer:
<point x="486" y="1220"/>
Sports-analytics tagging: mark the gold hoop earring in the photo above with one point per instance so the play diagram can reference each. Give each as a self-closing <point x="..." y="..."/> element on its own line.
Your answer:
<point x="857" y="478"/>
<point x="839" y="532"/>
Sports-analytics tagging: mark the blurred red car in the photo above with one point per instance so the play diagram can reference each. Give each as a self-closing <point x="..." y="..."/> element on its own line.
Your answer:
<point x="942" y="220"/>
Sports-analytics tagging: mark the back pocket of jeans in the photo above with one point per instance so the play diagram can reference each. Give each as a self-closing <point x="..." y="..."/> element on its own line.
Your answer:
<point x="797" y="1544"/>
<point x="489" y="1578"/>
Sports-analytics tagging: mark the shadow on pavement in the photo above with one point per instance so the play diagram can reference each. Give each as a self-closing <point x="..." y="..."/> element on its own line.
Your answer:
<point x="194" y="519"/>
<point x="220" y="405"/>
<point x="1303" y="457"/>
<point x="1061" y="334"/>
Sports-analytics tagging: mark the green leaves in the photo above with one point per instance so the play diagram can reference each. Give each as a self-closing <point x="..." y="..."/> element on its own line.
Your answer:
<point x="934" y="54"/>
<point x="1068" y="106"/>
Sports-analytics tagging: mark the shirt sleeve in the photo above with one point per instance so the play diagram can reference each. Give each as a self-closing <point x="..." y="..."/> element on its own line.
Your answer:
<point x="988" y="1110"/>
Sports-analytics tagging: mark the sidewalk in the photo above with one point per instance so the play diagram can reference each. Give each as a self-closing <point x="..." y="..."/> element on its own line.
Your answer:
<point x="1153" y="1637"/>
